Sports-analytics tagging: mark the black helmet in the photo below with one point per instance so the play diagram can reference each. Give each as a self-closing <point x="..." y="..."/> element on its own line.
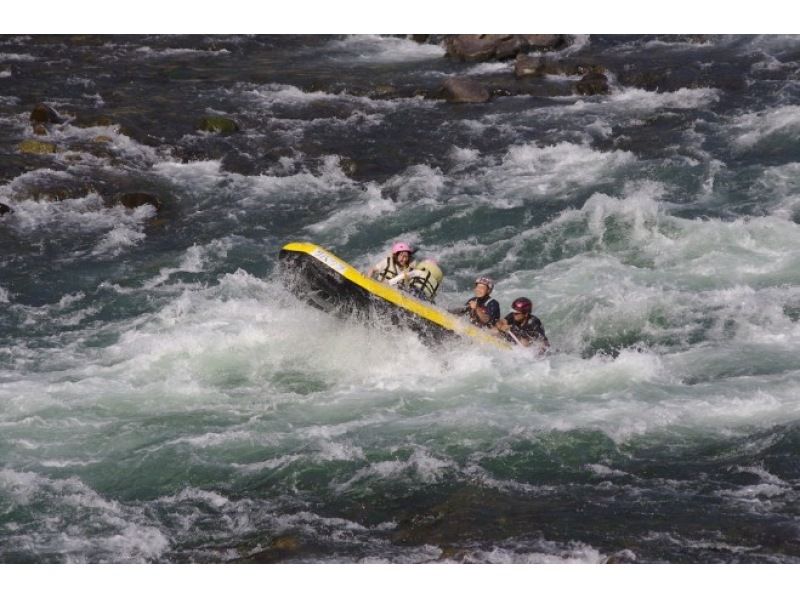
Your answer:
<point x="522" y="305"/>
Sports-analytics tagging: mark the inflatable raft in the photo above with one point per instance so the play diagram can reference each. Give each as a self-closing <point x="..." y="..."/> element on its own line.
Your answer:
<point x="327" y="282"/>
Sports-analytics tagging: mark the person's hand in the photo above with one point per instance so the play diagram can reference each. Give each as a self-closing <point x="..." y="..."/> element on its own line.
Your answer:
<point x="473" y="304"/>
<point x="502" y="325"/>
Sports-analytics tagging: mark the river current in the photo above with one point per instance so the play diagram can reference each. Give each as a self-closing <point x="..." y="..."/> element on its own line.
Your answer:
<point x="163" y="398"/>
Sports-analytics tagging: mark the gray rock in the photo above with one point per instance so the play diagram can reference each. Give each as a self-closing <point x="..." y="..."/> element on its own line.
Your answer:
<point x="472" y="48"/>
<point x="592" y="84"/>
<point x="543" y="43"/>
<point x="218" y="124"/>
<point x="137" y="199"/>
<point x="528" y="66"/>
<point x="464" y="91"/>
<point x="476" y="48"/>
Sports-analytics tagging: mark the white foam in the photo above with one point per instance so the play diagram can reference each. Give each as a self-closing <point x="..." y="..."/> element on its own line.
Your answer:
<point x="5" y="74"/>
<point x="114" y="533"/>
<point x="13" y="57"/>
<point x="172" y="52"/>
<point x="122" y="237"/>
<point x="87" y="213"/>
<point x="420" y="184"/>
<point x="550" y="553"/>
<point x="463" y="156"/>
<point x="640" y="102"/>
<point x="490" y="68"/>
<point x="753" y="128"/>
<point x="5" y="297"/>
<point x="383" y="49"/>
<point x="530" y="170"/>
<point x="118" y="142"/>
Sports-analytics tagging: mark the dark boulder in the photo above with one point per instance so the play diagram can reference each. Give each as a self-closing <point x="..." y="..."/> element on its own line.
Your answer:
<point x="137" y="199"/>
<point x="464" y="91"/>
<point x="472" y="48"/>
<point x="45" y="115"/>
<point x="543" y="42"/>
<point x="218" y="124"/>
<point x="476" y="48"/>
<point x="349" y="166"/>
<point x="592" y="84"/>
<point x="582" y="69"/>
<point x="529" y="66"/>
<point x="4" y="209"/>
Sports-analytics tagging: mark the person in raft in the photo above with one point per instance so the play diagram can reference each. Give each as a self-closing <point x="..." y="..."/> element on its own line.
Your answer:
<point x="398" y="262"/>
<point x="424" y="280"/>
<point x="482" y="309"/>
<point x="522" y="327"/>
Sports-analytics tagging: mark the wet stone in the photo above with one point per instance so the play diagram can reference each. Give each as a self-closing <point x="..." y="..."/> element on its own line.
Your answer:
<point x="137" y="199"/>
<point x="4" y="209"/>
<point x="592" y="84"/>
<point x="44" y="114"/>
<point x="34" y="146"/>
<point x="464" y="91"/>
<point x="218" y="124"/>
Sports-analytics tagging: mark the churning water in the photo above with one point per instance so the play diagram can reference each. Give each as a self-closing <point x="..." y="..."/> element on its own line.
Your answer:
<point x="163" y="398"/>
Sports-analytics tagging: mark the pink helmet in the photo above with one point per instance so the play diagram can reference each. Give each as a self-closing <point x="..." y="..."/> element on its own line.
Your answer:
<point x="401" y="246"/>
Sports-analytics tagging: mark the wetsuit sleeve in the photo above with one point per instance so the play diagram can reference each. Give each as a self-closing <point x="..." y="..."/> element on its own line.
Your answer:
<point x="460" y="310"/>
<point x="493" y="309"/>
<point x="539" y="329"/>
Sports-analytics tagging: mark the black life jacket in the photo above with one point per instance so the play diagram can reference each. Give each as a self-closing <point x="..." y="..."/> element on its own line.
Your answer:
<point x="490" y="305"/>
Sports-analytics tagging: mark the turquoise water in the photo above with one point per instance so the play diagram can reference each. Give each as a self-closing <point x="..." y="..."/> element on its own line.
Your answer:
<point x="164" y="399"/>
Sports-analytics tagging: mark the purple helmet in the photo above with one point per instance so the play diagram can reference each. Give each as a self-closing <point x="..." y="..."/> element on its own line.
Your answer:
<point x="522" y="305"/>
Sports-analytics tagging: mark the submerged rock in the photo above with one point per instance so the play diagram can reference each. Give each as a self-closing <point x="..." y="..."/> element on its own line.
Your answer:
<point x="4" y="209"/>
<point x="528" y="66"/>
<point x="54" y="190"/>
<point x="280" y="549"/>
<point x="537" y="66"/>
<point x="137" y="199"/>
<point x="218" y="124"/>
<point x="592" y="84"/>
<point x="44" y="114"/>
<point x="349" y="166"/>
<point x="464" y="91"/>
<point x="34" y="146"/>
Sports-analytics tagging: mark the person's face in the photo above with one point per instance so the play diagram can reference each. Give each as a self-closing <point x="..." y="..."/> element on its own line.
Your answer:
<point x="519" y="317"/>
<point x="481" y="290"/>
<point x="402" y="258"/>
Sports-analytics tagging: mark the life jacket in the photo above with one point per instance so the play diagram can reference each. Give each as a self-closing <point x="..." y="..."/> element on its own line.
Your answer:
<point x="529" y="329"/>
<point x="388" y="269"/>
<point x="491" y="306"/>
<point x="425" y="280"/>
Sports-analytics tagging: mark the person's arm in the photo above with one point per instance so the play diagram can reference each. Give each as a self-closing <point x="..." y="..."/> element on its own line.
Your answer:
<point x="405" y="275"/>
<point x="375" y="269"/>
<point x="461" y="310"/>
